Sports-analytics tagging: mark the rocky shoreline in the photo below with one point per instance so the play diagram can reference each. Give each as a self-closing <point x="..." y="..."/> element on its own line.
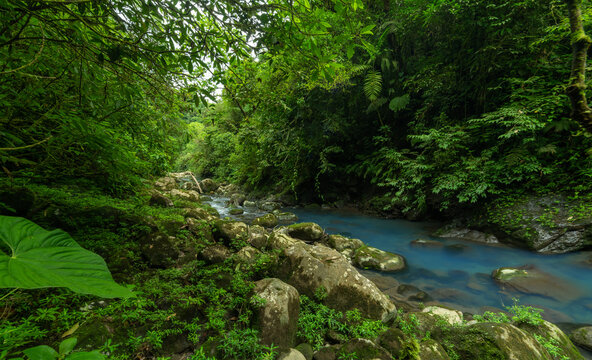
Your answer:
<point x="309" y="260"/>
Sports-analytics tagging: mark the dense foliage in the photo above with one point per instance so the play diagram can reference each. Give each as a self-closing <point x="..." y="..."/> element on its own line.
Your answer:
<point x="457" y="101"/>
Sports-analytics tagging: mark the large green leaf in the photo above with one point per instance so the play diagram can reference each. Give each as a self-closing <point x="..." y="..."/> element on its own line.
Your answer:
<point x="38" y="258"/>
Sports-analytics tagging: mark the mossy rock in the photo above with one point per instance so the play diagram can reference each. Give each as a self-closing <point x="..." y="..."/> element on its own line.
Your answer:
<point x="583" y="337"/>
<point x="549" y="331"/>
<point x="267" y="220"/>
<point x="236" y="211"/>
<point x="364" y="350"/>
<point x="306" y="231"/>
<point x="368" y="257"/>
<point x="431" y="350"/>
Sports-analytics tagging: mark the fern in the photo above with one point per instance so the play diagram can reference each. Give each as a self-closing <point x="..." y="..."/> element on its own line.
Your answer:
<point x="372" y="85"/>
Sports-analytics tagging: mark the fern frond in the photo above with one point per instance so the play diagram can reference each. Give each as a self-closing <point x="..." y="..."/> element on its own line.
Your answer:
<point x="373" y="85"/>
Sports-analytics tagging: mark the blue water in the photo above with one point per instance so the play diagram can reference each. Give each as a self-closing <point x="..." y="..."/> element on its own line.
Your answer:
<point x="458" y="273"/>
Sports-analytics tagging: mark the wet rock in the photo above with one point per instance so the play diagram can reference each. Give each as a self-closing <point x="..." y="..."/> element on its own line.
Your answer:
<point x="250" y="204"/>
<point x="258" y="237"/>
<point x="286" y="216"/>
<point x="467" y="235"/>
<point x="237" y="199"/>
<point x="344" y="245"/>
<point x="427" y="243"/>
<point x="372" y="258"/>
<point x="231" y="230"/>
<point x="583" y="337"/>
<point x="292" y="354"/>
<point x="381" y="281"/>
<point x="159" y="249"/>
<point x="549" y="331"/>
<point x="305" y="231"/>
<point x="453" y="317"/>
<point x="431" y="350"/>
<point x="530" y="280"/>
<point x="187" y="195"/>
<point x="277" y="319"/>
<point x="456" y="248"/>
<point x="208" y="185"/>
<point x="309" y="268"/>
<point x="412" y="293"/>
<point x="509" y="342"/>
<point x="215" y="254"/>
<point x="365" y="350"/>
<point x="545" y="224"/>
<point x="269" y="206"/>
<point x="236" y="211"/>
<point x="267" y="220"/>
<point x="166" y="183"/>
<point x="158" y="199"/>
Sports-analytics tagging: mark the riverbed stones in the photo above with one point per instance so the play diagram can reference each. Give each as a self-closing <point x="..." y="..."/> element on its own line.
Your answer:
<point x="236" y="211"/>
<point x="312" y="267"/>
<point x="368" y="257"/>
<point x="277" y="319"/>
<point x="267" y="220"/>
<point x="583" y="337"/>
<point x="427" y="243"/>
<point x="250" y="204"/>
<point x="467" y="235"/>
<point x="530" y="280"/>
<point x="269" y="205"/>
<point x="305" y="231"/>
<point x="285" y="216"/>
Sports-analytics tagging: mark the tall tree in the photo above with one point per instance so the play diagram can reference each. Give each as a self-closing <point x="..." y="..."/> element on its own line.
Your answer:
<point x="580" y="43"/>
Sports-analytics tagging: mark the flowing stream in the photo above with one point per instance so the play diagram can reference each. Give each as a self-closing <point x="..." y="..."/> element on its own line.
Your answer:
<point x="458" y="272"/>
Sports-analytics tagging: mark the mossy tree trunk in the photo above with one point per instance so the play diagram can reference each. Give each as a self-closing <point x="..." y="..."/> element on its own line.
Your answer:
<point x="580" y="43"/>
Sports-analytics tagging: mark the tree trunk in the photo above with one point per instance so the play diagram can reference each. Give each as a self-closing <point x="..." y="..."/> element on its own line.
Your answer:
<point x="580" y="43"/>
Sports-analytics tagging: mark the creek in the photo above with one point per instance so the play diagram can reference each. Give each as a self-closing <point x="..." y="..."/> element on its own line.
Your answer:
<point x="458" y="272"/>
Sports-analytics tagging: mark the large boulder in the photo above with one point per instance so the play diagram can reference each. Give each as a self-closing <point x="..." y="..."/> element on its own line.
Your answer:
<point x="309" y="268"/>
<point x="467" y="235"/>
<point x="371" y="258"/>
<point x="583" y="337"/>
<point x="546" y="224"/>
<point x="199" y="213"/>
<point x="453" y="317"/>
<point x="258" y="236"/>
<point x="530" y="280"/>
<point x="267" y="220"/>
<point x="187" y="195"/>
<point x="550" y="332"/>
<point x="277" y="319"/>
<point x="305" y="231"/>
<point x="509" y="342"/>
<point x="231" y="230"/>
<point x="208" y="185"/>
<point x="291" y="354"/>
